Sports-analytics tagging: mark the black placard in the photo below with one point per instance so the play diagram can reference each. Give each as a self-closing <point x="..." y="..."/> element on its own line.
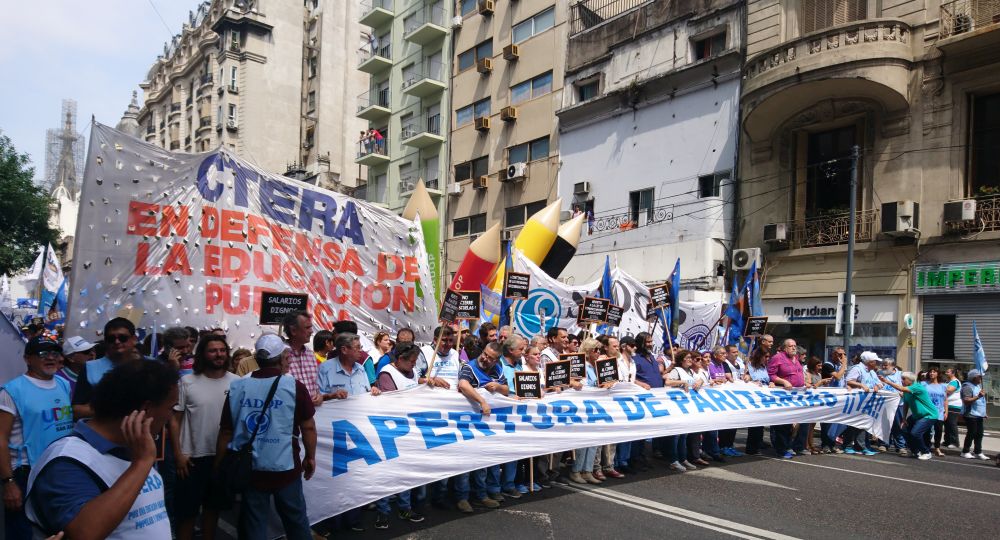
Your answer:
<point x="615" y="314"/>
<point x="274" y="305"/>
<point x="557" y="374"/>
<point x="659" y="296"/>
<point x="607" y="370"/>
<point x="528" y="384"/>
<point x="517" y="285"/>
<point x="577" y="364"/>
<point x="459" y="305"/>
<point x="594" y="310"/>
<point x="449" y="305"/>
<point x="755" y="326"/>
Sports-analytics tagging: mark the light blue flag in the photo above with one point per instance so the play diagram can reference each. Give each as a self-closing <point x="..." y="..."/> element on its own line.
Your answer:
<point x="978" y="354"/>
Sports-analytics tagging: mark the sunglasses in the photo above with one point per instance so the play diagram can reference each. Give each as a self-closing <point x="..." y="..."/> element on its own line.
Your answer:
<point x="120" y="338"/>
<point x="48" y="354"/>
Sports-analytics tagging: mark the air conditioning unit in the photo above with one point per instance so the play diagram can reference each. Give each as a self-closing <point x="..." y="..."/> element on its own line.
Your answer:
<point x="901" y="218"/>
<point x="506" y="236"/>
<point x="481" y="182"/>
<point x="455" y="189"/>
<point x="510" y="53"/>
<point x="486" y="7"/>
<point x="508" y="114"/>
<point x="517" y="171"/>
<point x="456" y="21"/>
<point x="483" y="123"/>
<point x="581" y="188"/>
<point x="406" y="186"/>
<point x="484" y="65"/>
<point x="743" y="259"/>
<point x="231" y="125"/>
<point x="775" y="233"/>
<point x="957" y="211"/>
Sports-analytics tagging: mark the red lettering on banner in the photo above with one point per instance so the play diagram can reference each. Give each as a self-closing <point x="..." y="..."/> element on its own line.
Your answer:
<point x="174" y="220"/>
<point x="402" y="298"/>
<point x="261" y="272"/>
<point x="177" y="260"/>
<point x="141" y="256"/>
<point x="352" y="263"/>
<point x="321" y="315"/>
<point x="337" y="284"/>
<point x="412" y="269"/>
<point x="317" y="286"/>
<point x="282" y="237"/>
<point x="293" y="280"/>
<point x="209" y="222"/>
<point x="256" y="229"/>
<point x="142" y="218"/>
<point x="235" y="263"/>
<point x="231" y="228"/>
<point x="378" y="296"/>
<point x="389" y="267"/>
<point x="213" y="297"/>
<point x="213" y="264"/>
<point x="332" y="260"/>
<point x="306" y="249"/>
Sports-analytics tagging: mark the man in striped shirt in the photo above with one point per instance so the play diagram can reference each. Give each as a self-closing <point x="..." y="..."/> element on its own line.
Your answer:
<point x="301" y="361"/>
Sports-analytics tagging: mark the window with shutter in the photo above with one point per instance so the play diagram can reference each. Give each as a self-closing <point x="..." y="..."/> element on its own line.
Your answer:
<point x="822" y="14"/>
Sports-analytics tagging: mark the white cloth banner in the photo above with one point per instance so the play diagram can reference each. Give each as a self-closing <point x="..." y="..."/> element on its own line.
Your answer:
<point x="371" y="447"/>
<point x="697" y="322"/>
<point x="194" y="239"/>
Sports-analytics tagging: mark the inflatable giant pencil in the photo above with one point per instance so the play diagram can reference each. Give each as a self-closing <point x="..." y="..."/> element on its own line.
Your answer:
<point x="420" y="203"/>
<point x="535" y="239"/>
<point x="479" y="262"/>
<point x="564" y="247"/>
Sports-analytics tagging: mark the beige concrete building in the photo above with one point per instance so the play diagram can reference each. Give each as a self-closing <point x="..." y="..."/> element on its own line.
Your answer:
<point x="507" y="78"/>
<point x="915" y="86"/>
<point x="273" y="80"/>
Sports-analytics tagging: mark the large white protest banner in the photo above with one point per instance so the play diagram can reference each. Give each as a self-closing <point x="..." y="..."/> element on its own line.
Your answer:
<point x="371" y="447"/>
<point x="697" y="322"/>
<point x="193" y="239"/>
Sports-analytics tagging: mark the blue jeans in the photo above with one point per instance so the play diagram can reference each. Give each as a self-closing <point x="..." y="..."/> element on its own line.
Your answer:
<point x="799" y="443"/>
<point x="584" y="460"/>
<point x="710" y="443"/>
<point x="782" y="438"/>
<point x="623" y="451"/>
<point x="493" y="479"/>
<point x="16" y="524"/>
<point x="402" y="501"/>
<point x="474" y="481"/>
<point x="914" y="433"/>
<point x="755" y="439"/>
<point x="291" y="506"/>
<point x="675" y="448"/>
<point x="896" y="435"/>
<point x="508" y="476"/>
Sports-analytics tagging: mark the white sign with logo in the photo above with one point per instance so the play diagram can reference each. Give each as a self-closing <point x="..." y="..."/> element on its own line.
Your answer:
<point x="823" y="310"/>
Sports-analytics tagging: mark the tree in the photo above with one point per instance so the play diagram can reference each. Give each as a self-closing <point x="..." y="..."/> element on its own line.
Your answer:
<point x="24" y="211"/>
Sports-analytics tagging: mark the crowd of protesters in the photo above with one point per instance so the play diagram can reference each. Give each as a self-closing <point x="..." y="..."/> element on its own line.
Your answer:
<point x="127" y="439"/>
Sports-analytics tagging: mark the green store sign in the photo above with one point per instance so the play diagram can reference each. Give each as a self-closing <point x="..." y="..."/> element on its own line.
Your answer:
<point x="957" y="278"/>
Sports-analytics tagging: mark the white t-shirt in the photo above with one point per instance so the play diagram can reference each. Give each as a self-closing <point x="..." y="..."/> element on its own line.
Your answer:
<point x="7" y="404"/>
<point x="549" y="355"/>
<point x="201" y="399"/>
<point x="703" y="376"/>
<point x="626" y="369"/>
<point x="681" y="374"/>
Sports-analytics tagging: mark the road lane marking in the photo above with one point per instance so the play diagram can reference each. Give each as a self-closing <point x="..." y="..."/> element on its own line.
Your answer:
<point x="884" y="476"/>
<point x="717" y="473"/>
<point x="697" y="519"/>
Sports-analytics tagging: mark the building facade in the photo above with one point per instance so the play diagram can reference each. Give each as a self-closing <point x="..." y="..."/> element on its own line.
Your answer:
<point x="406" y="54"/>
<point x="506" y="84"/>
<point x="267" y="79"/>
<point x="648" y="136"/>
<point x="914" y="87"/>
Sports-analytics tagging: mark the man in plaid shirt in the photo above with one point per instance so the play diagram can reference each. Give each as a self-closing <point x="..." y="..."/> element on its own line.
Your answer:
<point x="301" y="361"/>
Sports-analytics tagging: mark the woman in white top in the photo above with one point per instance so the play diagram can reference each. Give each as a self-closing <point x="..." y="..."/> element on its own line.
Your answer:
<point x="583" y="461"/>
<point x="680" y="376"/>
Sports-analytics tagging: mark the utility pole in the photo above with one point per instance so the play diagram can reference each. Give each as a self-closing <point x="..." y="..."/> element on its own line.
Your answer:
<point x="852" y="229"/>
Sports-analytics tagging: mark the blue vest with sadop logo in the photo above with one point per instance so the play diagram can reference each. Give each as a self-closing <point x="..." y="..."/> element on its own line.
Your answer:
<point x="46" y="415"/>
<point x="272" y="449"/>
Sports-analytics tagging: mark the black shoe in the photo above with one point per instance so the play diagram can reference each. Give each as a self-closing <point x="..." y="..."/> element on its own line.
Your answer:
<point x="381" y="522"/>
<point x="719" y="458"/>
<point x="626" y="469"/>
<point x="409" y="515"/>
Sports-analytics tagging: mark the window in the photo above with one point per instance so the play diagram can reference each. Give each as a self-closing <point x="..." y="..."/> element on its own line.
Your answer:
<point x="515" y="216"/>
<point x="481" y="108"/>
<point x="710" y="185"/>
<point x="476" y="110"/>
<point x="828" y="171"/>
<point x="218" y="113"/>
<point x="944" y="337"/>
<point x="985" y="148"/>
<point x="468" y="58"/>
<point x="535" y="25"/>
<point x="463" y="116"/>
<point x="533" y="88"/>
<point x="472" y="169"/>
<point x="232" y="113"/>
<point x="587" y="90"/>
<point x="233" y="72"/>
<point x="822" y="14"/>
<point x="640" y="203"/>
<point x="709" y="46"/>
<point x="529" y="151"/>
<point x="311" y="101"/>
<point x="469" y="225"/>
<point x="310" y="138"/>
<point x="313" y="62"/>
<point x="467" y="6"/>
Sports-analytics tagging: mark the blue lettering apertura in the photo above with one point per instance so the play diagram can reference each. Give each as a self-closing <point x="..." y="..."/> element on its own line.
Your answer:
<point x="651" y="403"/>
<point x="502" y="415"/>
<point x="736" y="400"/>
<point x="343" y="455"/>
<point x="631" y="407"/>
<point x="464" y="421"/>
<point x="747" y="395"/>
<point x="565" y="412"/>
<point x="544" y="420"/>
<point x="679" y="398"/>
<point x="879" y="403"/>
<point x="427" y="422"/>
<point x="720" y="400"/>
<point x="701" y="403"/>
<point x="387" y="435"/>
<point x="596" y="413"/>
<point x="767" y="399"/>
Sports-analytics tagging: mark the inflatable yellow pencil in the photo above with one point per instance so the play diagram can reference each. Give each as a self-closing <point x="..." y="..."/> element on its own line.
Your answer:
<point x="535" y="239"/>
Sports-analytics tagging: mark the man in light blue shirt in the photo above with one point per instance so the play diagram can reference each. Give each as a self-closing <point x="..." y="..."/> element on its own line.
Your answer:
<point x="345" y="375"/>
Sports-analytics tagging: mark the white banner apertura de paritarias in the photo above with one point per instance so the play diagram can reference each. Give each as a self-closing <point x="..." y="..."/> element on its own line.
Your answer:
<point x="194" y="239"/>
<point x="372" y="447"/>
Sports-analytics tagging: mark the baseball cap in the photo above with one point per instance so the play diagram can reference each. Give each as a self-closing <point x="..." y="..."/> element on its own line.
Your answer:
<point x="40" y="344"/>
<point x="272" y="344"/>
<point x="76" y="344"/>
<point x="973" y="373"/>
<point x="868" y="356"/>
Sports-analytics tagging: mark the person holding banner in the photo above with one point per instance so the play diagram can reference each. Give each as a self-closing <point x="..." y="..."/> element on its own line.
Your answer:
<point x="923" y="413"/>
<point x="757" y="374"/>
<point x="647" y="371"/>
<point x="786" y="371"/>
<point x="954" y="408"/>
<point x="583" y="462"/>
<point x="441" y="366"/>
<point x="512" y="354"/>
<point x="344" y="376"/>
<point x="609" y="452"/>
<point x="680" y="376"/>
<point x="834" y="371"/>
<point x="558" y="341"/>
<point x="481" y="372"/>
<point x="301" y="361"/>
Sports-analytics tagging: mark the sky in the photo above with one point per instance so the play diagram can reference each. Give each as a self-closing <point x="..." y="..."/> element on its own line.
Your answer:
<point x="96" y="52"/>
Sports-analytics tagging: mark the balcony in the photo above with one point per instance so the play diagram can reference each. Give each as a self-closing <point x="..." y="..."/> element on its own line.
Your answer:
<point x="626" y="221"/>
<point x="150" y="129"/>
<point x="425" y="81"/>
<point x="833" y="229"/>
<point x="175" y="108"/>
<point x="969" y="24"/>
<point x="374" y="105"/>
<point x="375" y="61"/>
<point x="205" y="80"/>
<point x="189" y="101"/>
<point x="408" y="182"/>
<point x="422" y="132"/>
<point x="987" y="217"/>
<point x="372" y="153"/>
<point x="425" y="26"/>
<point x="375" y="13"/>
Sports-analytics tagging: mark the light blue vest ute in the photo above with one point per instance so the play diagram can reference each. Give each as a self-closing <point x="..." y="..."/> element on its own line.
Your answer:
<point x="97" y="368"/>
<point x="272" y="449"/>
<point x="976" y="408"/>
<point x="46" y="416"/>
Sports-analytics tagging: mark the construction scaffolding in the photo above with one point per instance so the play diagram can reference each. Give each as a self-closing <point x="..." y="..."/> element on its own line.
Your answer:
<point x="64" y="152"/>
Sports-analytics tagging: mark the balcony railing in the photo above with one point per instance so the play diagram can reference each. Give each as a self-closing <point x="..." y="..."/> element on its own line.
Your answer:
<point x="206" y="78"/>
<point x="430" y="70"/>
<point x="960" y="16"/>
<point x="367" y="53"/>
<point x="408" y="181"/>
<point x="205" y="121"/>
<point x="590" y="13"/>
<point x="372" y="146"/>
<point x="833" y="229"/>
<point x="429" y="15"/>
<point x="175" y="107"/>
<point x="987" y="216"/>
<point x="150" y="128"/>
<point x="374" y="98"/>
<point x="423" y="124"/>
<point x="632" y="220"/>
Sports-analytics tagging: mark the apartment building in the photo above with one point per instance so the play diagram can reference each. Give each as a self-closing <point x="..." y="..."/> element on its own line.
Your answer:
<point x="914" y="87"/>
<point x="406" y="54"/>
<point x="267" y="79"/>
<point x="648" y="136"/>
<point x="506" y="84"/>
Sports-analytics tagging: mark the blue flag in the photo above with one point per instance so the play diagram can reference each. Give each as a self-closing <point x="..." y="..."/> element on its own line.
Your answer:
<point x="670" y="317"/>
<point x="607" y="287"/>
<point x="756" y="306"/>
<point x="734" y="311"/>
<point x="978" y="354"/>
<point x="504" y="301"/>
